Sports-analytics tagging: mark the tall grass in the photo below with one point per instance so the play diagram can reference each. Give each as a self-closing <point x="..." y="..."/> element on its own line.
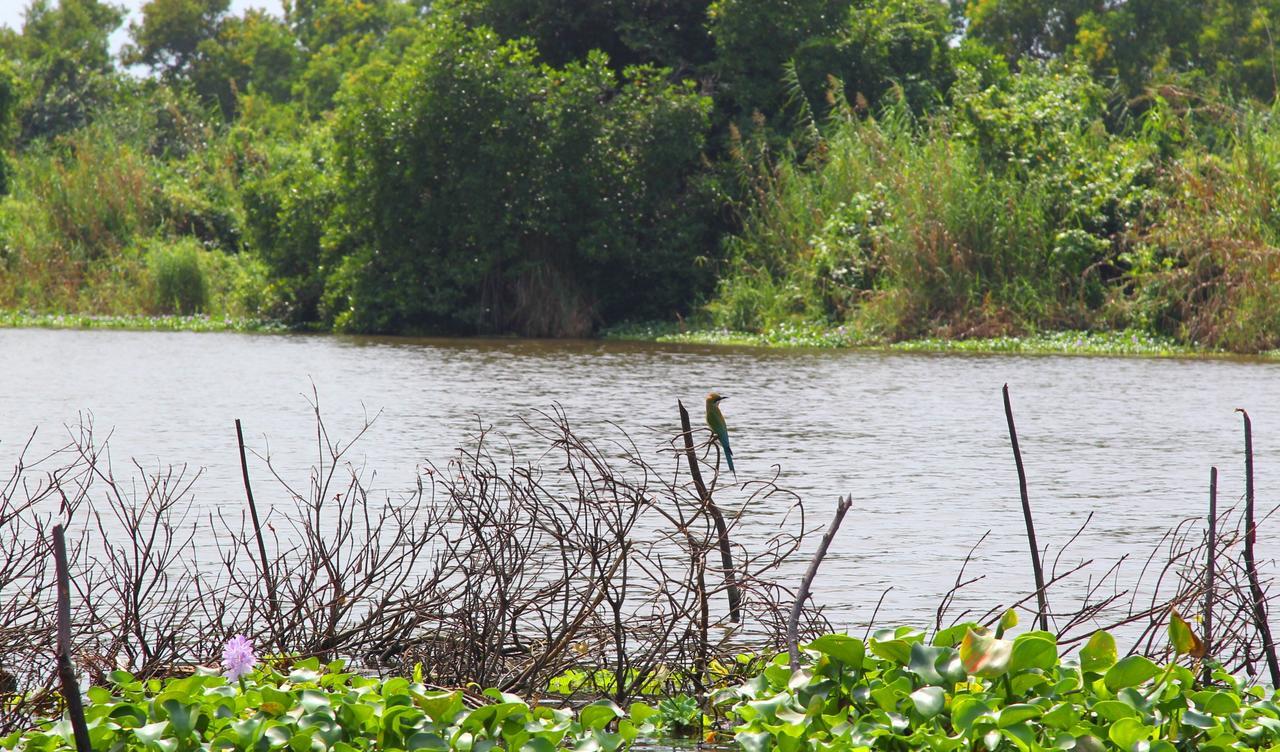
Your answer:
<point x="898" y="227"/>
<point x="1208" y="266"/>
<point x="97" y="225"/>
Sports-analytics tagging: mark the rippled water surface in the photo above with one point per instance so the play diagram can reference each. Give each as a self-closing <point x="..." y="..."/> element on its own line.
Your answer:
<point x="918" y="440"/>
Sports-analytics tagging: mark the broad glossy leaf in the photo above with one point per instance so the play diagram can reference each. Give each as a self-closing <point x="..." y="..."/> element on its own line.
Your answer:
<point x="984" y="655"/>
<point x="929" y="701"/>
<point x="1184" y="640"/>
<point x="1114" y="710"/>
<point x="754" y="742"/>
<point x="1129" y="731"/>
<point x="1216" y="703"/>
<point x="1008" y="620"/>
<point x="1130" y="672"/>
<point x="923" y="662"/>
<point x="1099" y="654"/>
<point x="1017" y="713"/>
<point x="897" y="652"/>
<point x="1034" y="650"/>
<point x="848" y="650"/>
<point x="599" y="714"/>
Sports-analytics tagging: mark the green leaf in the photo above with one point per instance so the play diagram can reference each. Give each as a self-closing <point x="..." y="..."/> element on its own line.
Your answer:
<point x="897" y="652"/>
<point x="984" y="655"/>
<point x="754" y="742"/>
<point x="1017" y="713"/>
<point x="640" y="712"/>
<point x="923" y="662"/>
<point x="929" y="701"/>
<point x="599" y="714"/>
<point x="848" y="650"/>
<point x="1099" y="654"/>
<point x="1034" y="650"/>
<point x="1184" y="641"/>
<point x="1127" y="732"/>
<point x="1217" y="703"/>
<point x="1008" y="620"/>
<point x="1129" y="672"/>
<point x="1114" y="710"/>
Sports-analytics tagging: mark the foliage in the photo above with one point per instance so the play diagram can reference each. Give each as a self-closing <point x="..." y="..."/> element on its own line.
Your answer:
<point x="483" y="191"/>
<point x="970" y="690"/>
<point x="179" y="281"/>
<point x="902" y="168"/>
<point x="308" y="706"/>
<point x="63" y="60"/>
<point x="1001" y="215"/>
<point x="666" y="33"/>
<point x="964" y="689"/>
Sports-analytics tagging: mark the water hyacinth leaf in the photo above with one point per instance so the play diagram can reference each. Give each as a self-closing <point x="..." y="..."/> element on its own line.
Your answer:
<point x="951" y="636"/>
<point x="1130" y="671"/>
<point x="1061" y="716"/>
<point x="1017" y="713"/>
<point x="1021" y="735"/>
<point x="1099" y="654"/>
<point x="929" y="701"/>
<point x="923" y="663"/>
<point x="180" y="718"/>
<point x="1216" y="702"/>
<point x="848" y="650"/>
<point x="599" y="714"/>
<point x="1127" y="732"/>
<point x="150" y="732"/>
<point x="985" y="655"/>
<point x="897" y="652"/>
<point x="1114" y="710"/>
<point x="1184" y="640"/>
<point x="1008" y="620"/>
<point x="1195" y="719"/>
<point x="966" y="710"/>
<point x="760" y="741"/>
<point x="640" y="712"/>
<point x="1034" y="650"/>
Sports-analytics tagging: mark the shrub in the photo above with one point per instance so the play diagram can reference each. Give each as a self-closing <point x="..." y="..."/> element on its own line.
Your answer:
<point x="180" y="285"/>
<point x="477" y="184"/>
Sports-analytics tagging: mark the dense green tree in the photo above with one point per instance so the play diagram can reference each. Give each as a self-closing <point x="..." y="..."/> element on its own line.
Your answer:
<point x="1038" y="29"/>
<point x="754" y="41"/>
<point x="251" y="53"/>
<point x="171" y="32"/>
<point x="487" y="192"/>
<point x="668" y="33"/>
<point x="9" y="100"/>
<point x="339" y="37"/>
<point x="64" y="63"/>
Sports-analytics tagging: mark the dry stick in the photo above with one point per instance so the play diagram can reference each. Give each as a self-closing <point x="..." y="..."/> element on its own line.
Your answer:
<point x="1251" y="568"/>
<point x="67" y="674"/>
<point x="262" y="546"/>
<point x="1209" y="573"/>
<point x="722" y="530"/>
<point x="793" y="622"/>
<point x="1026" y="513"/>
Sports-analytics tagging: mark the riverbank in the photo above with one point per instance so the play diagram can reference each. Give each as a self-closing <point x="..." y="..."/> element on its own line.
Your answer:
<point x="1124" y="343"/>
<point x="139" y="322"/>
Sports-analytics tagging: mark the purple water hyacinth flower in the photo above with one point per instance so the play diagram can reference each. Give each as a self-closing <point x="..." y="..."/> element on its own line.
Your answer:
<point x="238" y="658"/>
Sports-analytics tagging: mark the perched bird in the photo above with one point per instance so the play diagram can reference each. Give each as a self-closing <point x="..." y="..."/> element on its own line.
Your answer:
<point x="715" y="421"/>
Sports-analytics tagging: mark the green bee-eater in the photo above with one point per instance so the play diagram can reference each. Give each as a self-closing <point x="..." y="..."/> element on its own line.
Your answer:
<point x="715" y="421"/>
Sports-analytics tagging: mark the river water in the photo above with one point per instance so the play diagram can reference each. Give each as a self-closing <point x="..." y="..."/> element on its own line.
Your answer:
<point x="919" y="441"/>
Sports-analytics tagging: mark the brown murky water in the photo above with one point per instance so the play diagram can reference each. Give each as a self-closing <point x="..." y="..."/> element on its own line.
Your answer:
<point x="918" y="440"/>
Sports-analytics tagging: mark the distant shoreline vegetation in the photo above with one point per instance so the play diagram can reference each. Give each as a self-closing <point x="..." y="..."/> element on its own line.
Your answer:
<point x="1114" y="344"/>
<point x="910" y="170"/>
